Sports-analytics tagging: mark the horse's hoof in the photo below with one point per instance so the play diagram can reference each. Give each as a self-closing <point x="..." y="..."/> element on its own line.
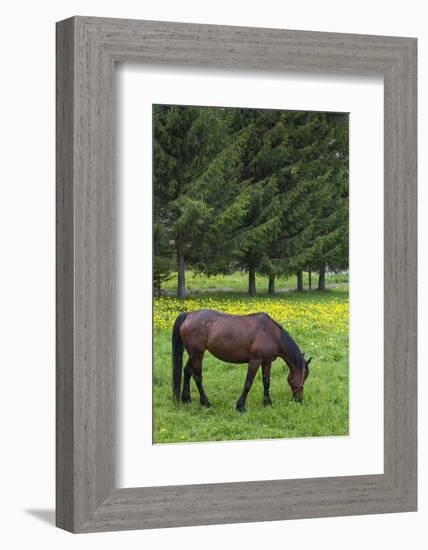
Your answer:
<point x="267" y="402"/>
<point x="205" y="403"/>
<point x="240" y="408"/>
<point x="186" y="399"/>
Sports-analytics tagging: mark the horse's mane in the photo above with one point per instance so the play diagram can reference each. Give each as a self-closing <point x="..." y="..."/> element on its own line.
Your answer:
<point x="291" y="345"/>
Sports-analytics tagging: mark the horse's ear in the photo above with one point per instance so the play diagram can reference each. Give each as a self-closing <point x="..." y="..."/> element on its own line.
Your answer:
<point x="308" y="361"/>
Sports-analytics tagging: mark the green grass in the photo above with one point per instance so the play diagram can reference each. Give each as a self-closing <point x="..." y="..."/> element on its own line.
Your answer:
<point x="319" y="324"/>
<point x="239" y="280"/>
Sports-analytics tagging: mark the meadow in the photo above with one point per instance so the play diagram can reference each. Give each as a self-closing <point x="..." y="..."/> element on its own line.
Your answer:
<point x="317" y="321"/>
<point x="196" y="282"/>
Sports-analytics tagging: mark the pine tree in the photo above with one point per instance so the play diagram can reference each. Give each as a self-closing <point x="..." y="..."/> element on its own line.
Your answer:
<point x="246" y="210"/>
<point x="260" y="190"/>
<point x="331" y="229"/>
<point x="286" y="150"/>
<point x="186" y="139"/>
<point x="313" y="186"/>
<point x="163" y="261"/>
<point x="261" y="153"/>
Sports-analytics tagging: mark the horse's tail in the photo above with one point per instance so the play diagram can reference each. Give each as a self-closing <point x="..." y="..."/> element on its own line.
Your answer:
<point x="177" y="356"/>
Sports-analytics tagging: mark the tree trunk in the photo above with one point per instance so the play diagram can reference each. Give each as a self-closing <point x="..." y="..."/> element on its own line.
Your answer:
<point x="158" y="286"/>
<point x="310" y="279"/>
<point x="300" y="280"/>
<point x="181" y="283"/>
<point x="252" y="281"/>
<point x="321" y="278"/>
<point x="271" y="289"/>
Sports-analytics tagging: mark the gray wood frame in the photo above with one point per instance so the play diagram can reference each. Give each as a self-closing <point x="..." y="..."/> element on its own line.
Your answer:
<point x="87" y="50"/>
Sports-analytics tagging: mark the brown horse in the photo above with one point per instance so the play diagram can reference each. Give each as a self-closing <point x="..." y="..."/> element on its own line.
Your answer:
<point x="255" y="339"/>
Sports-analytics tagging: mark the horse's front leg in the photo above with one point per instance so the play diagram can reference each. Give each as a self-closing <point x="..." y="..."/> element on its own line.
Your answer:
<point x="266" y="384"/>
<point x="251" y="373"/>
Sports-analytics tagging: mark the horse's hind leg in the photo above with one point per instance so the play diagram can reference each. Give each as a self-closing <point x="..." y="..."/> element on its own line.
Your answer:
<point x="266" y="384"/>
<point x="187" y="371"/>
<point x="251" y="373"/>
<point x="197" y="376"/>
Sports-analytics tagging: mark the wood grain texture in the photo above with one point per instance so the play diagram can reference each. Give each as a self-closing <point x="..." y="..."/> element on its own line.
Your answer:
<point x="64" y="277"/>
<point x="87" y="50"/>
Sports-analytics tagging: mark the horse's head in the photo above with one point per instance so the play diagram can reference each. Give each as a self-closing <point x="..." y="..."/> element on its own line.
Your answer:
<point x="296" y="379"/>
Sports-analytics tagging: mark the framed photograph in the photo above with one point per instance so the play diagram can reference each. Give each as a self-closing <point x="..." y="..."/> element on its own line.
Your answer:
<point x="236" y="274"/>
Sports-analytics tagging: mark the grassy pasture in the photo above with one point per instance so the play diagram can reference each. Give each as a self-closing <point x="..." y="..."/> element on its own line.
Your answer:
<point x="238" y="281"/>
<point x="319" y="324"/>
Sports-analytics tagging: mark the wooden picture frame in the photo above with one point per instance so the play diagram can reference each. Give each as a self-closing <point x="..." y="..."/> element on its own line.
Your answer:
<point x="87" y="50"/>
